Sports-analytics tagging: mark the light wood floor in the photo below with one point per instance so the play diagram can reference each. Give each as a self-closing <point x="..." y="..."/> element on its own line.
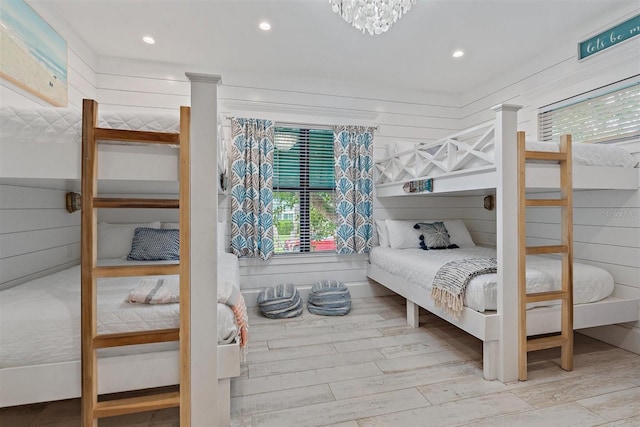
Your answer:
<point x="370" y="369"/>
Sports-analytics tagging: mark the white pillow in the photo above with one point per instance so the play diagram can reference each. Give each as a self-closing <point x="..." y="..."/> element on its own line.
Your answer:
<point x="383" y="234"/>
<point x="114" y="240"/>
<point x="402" y="235"/>
<point x="458" y="233"/>
<point x="171" y="225"/>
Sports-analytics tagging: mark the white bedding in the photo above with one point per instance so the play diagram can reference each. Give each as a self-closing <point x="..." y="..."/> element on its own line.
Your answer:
<point x="591" y="154"/>
<point x="543" y="273"/>
<point x="64" y="125"/>
<point x="40" y="319"/>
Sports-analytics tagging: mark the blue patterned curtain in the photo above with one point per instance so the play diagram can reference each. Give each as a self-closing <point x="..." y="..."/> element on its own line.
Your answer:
<point x="353" y="147"/>
<point x="252" y="187"/>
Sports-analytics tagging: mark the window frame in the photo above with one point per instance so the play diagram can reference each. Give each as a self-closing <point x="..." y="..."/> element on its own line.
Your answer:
<point x="304" y="190"/>
<point x="569" y="109"/>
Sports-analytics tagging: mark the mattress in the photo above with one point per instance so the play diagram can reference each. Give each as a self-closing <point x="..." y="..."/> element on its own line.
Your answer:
<point x="590" y="154"/>
<point x="40" y="319"/>
<point x="64" y="125"/>
<point x="419" y="267"/>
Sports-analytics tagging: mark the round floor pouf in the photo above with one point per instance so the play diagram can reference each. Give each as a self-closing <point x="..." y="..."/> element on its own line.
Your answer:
<point x="329" y="298"/>
<point x="280" y="302"/>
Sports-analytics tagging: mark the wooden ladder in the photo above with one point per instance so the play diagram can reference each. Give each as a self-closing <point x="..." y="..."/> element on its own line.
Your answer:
<point x="92" y="409"/>
<point x="564" y="339"/>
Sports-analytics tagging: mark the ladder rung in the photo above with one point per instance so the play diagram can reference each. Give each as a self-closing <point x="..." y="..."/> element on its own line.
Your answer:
<point x="136" y="270"/>
<point x="112" y="408"/>
<point x="543" y="343"/>
<point x="546" y="202"/>
<point x="547" y="296"/>
<point x="134" y="338"/>
<point x="545" y="155"/>
<point x="552" y="249"/>
<point x="113" y="202"/>
<point x="136" y="136"/>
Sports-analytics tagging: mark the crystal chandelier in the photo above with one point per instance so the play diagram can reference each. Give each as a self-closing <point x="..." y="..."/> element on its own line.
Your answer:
<point x="375" y="16"/>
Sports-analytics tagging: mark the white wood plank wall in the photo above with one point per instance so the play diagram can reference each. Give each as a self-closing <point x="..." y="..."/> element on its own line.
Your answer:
<point x="403" y="118"/>
<point x="38" y="236"/>
<point x="600" y="217"/>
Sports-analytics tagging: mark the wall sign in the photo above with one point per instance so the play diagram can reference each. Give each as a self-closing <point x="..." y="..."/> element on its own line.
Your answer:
<point x="611" y="37"/>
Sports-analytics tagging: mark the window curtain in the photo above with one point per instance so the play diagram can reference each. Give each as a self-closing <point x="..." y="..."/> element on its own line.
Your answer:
<point x="353" y="147"/>
<point x="252" y="187"/>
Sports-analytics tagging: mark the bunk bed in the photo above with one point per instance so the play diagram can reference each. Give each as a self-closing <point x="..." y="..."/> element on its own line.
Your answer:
<point x="486" y="157"/>
<point x="56" y="133"/>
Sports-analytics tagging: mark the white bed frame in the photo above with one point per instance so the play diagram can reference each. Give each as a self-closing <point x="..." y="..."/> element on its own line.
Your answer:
<point x="466" y="161"/>
<point x="485" y="326"/>
<point x="485" y="157"/>
<point x="56" y="381"/>
<point x="121" y="169"/>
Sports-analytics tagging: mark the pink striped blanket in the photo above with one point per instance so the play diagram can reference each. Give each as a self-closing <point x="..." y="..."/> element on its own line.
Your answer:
<point x="166" y="290"/>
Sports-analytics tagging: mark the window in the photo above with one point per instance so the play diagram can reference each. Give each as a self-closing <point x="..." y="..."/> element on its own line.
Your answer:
<point x="610" y="114"/>
<point x="303" y="190"/>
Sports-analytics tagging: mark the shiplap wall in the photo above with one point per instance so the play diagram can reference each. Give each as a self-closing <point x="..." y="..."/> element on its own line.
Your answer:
<point x="37" y="235"/>
<point x="607" y="223"/>
<point x="402" y="117"/>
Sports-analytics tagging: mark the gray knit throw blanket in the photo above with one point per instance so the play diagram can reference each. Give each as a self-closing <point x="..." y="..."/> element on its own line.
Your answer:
<point x="451" y="280"/>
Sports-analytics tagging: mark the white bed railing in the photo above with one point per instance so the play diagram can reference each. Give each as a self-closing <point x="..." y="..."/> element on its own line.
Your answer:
<point x="469" y="149"/>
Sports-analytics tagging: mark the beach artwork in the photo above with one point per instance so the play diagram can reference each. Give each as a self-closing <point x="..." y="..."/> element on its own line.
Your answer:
<point x="34" y="55"/>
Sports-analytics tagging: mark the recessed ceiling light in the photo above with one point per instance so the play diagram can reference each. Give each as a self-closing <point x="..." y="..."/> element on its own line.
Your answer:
<point x="264" y="26"/>
<point x="148" y="40"/>
<point x="458" y="54"/>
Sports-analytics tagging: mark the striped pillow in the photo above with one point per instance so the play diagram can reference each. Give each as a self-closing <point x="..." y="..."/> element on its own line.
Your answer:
<point x="154" y="244"/>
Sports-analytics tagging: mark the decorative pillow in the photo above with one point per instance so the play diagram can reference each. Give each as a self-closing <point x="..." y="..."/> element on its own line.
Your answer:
<point x="458" y="233"/>
<point x="402" y="235"/>
<point x="383" y="234"/>
<point x="280" y="302"/>
<point x="171" y="225"/>
<point x="114" y="240"/>
<point x="329" y="298"/>
<point x="434" y="236"/>
<point x="150" y="244"/>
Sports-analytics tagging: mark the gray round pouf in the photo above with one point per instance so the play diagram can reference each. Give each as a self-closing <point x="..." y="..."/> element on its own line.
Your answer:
<point x="329" y="298"/>
<point x="280" y="302"/>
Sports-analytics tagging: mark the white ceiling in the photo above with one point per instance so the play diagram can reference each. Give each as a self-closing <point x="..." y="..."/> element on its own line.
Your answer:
<point x="308" y="40"/>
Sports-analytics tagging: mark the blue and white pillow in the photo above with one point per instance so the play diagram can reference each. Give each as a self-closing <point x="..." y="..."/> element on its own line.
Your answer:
<point x="153" y="244"/>
<point x="434" y="236"/>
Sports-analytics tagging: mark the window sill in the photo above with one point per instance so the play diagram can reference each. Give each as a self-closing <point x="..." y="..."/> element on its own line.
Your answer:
<point x="303" y="258"/>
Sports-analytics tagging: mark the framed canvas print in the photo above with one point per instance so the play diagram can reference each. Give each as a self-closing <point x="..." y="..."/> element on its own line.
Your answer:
<point x="34" y="55"/>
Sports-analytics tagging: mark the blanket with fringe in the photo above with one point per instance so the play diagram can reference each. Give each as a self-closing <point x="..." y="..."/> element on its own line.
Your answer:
<point x="451" y="280"/>
<point x="166" y="290"/>
<point x="230" y="295"/>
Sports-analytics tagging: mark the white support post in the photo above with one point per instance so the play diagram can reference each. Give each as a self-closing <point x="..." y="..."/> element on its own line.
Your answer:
<point x="506" y="161"/>
<point x="204" y="241"/>
<point x="413" y="314"/>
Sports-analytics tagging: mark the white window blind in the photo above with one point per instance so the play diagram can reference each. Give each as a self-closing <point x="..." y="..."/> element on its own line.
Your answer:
<point x="610" y="117"/>
<point x="303" y="190"/>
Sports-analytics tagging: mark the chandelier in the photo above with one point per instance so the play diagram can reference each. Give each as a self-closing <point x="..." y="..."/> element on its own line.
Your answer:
<point x="375" y="16"/>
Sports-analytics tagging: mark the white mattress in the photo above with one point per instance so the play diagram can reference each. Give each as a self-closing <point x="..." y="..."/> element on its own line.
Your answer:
<point x="40" y="319"/>
<point x="543" y="274"/>
<point x="64" y="125"/>
<point x="590" y="154"/>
